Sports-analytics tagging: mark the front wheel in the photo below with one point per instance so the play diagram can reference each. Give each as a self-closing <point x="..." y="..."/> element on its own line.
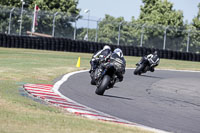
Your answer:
<point x="103" y="85"/>
<point x="138" y="69"/>
<point x="93" y="76"/>
<point x="93" y="82"/>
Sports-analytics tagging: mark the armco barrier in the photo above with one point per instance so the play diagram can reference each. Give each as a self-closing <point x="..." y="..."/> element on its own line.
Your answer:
<point x="64" y="44"/>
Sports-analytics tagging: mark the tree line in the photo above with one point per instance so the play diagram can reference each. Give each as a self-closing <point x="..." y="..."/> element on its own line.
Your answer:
<point x="157" y="18"/>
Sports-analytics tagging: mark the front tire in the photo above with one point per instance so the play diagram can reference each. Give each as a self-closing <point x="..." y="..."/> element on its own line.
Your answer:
<point x="103" y="85"/>
<point x="93" y="76"/>
<point x="138" y="69"/>
<point x="93" y="82"/>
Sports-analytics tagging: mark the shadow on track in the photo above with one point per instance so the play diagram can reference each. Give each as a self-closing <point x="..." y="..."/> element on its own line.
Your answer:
<point x="151" y="76"/>
<point x="125" y="98"/>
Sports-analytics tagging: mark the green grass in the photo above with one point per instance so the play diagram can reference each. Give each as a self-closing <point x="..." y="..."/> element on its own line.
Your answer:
<point x="19" y="114"/>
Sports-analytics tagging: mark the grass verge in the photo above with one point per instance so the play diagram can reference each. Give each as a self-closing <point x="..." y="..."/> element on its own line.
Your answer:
<point x="21" y="115"/>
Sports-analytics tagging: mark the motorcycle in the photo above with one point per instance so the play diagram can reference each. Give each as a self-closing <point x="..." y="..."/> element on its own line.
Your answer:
<point x="106" y="78"/>
<point x="102" y="59"/>
<point x="147" y="64"/>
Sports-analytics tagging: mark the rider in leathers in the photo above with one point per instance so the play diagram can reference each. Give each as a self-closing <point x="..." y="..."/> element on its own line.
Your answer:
<point x="154" y="56"/>
<point x="106" y="52"/>
<point x="117" y="55"/>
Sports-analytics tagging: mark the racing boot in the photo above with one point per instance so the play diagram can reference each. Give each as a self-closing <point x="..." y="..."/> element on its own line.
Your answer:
<point x="152" y="69"/>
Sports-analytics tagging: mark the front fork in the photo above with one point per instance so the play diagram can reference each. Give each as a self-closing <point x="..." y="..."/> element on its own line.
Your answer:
<point x="99" y="75"/>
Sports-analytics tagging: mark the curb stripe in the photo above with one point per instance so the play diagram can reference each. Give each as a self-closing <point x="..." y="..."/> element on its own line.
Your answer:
<point x="60" y="101"/>
<point x="56" y="99"/>
<point x="65" y="104"/>
<point x="43" y="94"/>
<point x="39" y="86"/>
<point x="39" y="90"/>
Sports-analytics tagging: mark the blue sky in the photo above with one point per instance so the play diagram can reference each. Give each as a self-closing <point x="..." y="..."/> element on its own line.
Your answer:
<point x="129" y="8"/>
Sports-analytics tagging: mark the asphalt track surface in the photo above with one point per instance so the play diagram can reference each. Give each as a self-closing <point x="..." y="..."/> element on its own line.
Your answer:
<point x="166" y="100"/>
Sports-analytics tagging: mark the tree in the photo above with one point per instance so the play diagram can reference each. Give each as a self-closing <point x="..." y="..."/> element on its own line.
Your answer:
<point x="157" y="15"/>
<point x="109" y="29"/>
<point x="12" y="3"/>
<point x="67" y="10"/>
<point x="160" y="12"/>
<point x="67" y="6"/>
<point x="195" y="36"/>
<point x="196" y="20"/>
<point x="129" y="33"/>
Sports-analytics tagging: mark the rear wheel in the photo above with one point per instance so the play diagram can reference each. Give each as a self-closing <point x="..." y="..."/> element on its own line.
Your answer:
<point x="103" y="85"/>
